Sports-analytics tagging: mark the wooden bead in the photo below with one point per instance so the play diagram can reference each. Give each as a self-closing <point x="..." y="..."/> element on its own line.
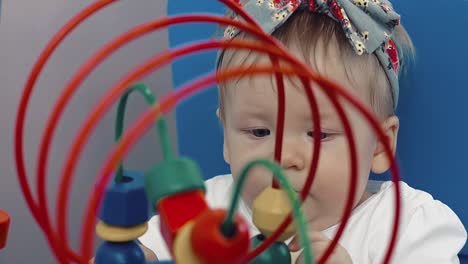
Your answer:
<point x="212" y="246"/>
<point x="125" y="203"/>
<point x="177" y="210"/>
<point x="270" y="209"/>
<point x="182" y="247"/>
<point x="120" y="253"/>
<point x="4" y="226"/>
<point x="119" y="233"/>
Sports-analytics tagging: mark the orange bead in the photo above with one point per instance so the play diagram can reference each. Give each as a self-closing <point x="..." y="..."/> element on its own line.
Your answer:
<point x="4" y="226"/>
<point x="212" y="246"/>
<point x="182" y="251"/>
<point x="177" y="210"/>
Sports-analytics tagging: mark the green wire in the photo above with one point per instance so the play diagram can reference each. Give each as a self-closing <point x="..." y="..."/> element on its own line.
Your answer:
<point x="227" y="226"/>
<point x="161" y="124"/>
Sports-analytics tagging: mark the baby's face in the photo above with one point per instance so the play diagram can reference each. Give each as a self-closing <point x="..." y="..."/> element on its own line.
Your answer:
<point x="250" y="128"/>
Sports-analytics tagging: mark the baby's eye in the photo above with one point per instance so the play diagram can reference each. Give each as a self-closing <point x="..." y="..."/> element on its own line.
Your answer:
<point x="322" y="135"/>
<point x="260" y="132"/>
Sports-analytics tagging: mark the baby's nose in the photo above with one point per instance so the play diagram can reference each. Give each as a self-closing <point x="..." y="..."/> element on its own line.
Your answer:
<point x="292" y="158"/>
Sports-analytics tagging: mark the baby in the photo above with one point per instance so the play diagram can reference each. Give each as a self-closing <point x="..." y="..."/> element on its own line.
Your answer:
<point x="361" y="45"/>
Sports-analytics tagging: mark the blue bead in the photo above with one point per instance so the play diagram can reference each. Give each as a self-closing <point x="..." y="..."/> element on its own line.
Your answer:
<point x="126" y="203"/>
<point x="120" y="253"/>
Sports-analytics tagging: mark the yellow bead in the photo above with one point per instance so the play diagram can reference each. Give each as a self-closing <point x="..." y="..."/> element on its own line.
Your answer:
<point x="182" y="247"/>
<point x="270" y="209"/>
<point x="120" y="233"/>
<point x="295" y="256"/>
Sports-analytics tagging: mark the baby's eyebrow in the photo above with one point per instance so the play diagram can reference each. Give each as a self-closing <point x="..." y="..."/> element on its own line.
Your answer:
<point x="252" y="111"/>
<point x="324" y="116"/>
<point x="328" y="120"/>
<point x="329" y="116"/>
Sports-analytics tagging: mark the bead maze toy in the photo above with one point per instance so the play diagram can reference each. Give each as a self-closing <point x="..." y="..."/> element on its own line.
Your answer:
<point x="174" y="187"/>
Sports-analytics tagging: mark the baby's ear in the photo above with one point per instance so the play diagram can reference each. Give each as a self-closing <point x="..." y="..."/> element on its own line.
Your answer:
<point x="381" y="163"/>
<point x="226" y="152"/>
<point x="218" y="114"/>
<point x="225" y="147"/>
<point x="220" y="117"/>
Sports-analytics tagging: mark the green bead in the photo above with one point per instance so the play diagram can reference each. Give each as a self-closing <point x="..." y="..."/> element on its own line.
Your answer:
<point x="173" y="176"/>
<point x="277" y="253"/>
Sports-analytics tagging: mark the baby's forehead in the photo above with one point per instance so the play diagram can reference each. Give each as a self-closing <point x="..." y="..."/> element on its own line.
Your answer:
<point x="330" y="66"/>
<point x="327" y="58"/>
<point x="262" y="92"/>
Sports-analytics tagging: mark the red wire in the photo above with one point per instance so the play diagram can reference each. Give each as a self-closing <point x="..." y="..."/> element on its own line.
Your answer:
<point x="42" y="161"/>
<point x="310" y="178"/>
<point x="129" y="138"/>
<point x="143" y="122"/>
<point x="395" y="173"/>
<point x="351" y="193"/>
<point x="280" y="120"/>
<point x="280" y="83"/>
<point x="40" y="211"/>
<point x="374" y="122"/>
<point x="60" y="200"/>
<point x="278" y="147"/>
<point x="79" y="144"/>
<point x="78" y="79"/>
<point x="278" y="143"/>
<point x="352" y="190"/>
<point x="279" y="80"/>
<point x="113" y="94"/>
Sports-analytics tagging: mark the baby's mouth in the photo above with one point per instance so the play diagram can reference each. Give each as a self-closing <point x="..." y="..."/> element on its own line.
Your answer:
<point x="298" y="193"/>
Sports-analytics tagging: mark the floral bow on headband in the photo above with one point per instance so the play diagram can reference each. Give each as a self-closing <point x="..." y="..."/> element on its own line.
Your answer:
<point x="368" y="25"/>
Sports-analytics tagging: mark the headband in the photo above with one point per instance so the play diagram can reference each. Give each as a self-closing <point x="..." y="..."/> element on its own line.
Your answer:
<point x="367" y="24"/>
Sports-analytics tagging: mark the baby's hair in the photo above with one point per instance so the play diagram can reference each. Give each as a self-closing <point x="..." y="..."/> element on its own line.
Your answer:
<point x="306" y="29"/>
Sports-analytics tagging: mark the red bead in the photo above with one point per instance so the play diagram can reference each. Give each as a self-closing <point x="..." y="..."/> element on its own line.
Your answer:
<point x="212" y="246"/>
<point x="4" y="225"/>
<point x="176" y="210"/>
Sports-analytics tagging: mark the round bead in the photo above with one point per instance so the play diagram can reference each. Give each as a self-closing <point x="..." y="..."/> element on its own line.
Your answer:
<point x="182" y="247"/>
<point x="118" y="233"/>
<point x="4" y="226"/>
<point x="270" y="209"/>
<point x="212" y="246"/>
<point x="120" y="253"/>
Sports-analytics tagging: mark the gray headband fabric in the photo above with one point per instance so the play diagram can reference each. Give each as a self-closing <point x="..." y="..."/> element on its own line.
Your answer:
<point x="367" y="24"/>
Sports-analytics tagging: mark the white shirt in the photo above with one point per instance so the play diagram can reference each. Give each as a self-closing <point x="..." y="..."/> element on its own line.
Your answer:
<point x="429" y="232"/>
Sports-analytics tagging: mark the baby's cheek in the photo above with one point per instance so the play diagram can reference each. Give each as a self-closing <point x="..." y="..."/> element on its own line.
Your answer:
<point x="334" y="188"/>
<point x="257" y="180"/>
<point x="331" y="182"/>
